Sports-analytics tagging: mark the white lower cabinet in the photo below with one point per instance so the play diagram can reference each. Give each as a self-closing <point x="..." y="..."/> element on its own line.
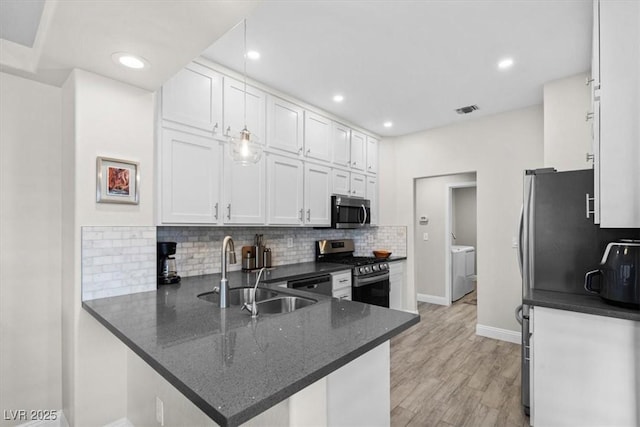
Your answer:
<point x="317" y="195"/>
<point x="190" y="175"/>
<point x="341" y="285"/>
<point x="244" y="193"/>
<point x="396" y="284"/>
<point x="585" y="369"/>
<point x="285" y="190"/>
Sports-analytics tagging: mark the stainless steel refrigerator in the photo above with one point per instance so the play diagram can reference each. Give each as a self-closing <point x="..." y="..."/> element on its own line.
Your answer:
<point x="559" y="242"/>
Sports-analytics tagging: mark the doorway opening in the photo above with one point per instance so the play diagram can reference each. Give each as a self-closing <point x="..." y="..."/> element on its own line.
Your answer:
<point x="461" y="243"/>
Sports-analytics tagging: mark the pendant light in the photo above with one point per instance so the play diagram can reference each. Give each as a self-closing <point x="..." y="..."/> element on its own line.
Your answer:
<point x="244" y="148"/>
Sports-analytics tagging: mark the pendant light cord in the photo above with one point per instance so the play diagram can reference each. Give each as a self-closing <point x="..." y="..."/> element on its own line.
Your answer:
<point x="245" y="72"/>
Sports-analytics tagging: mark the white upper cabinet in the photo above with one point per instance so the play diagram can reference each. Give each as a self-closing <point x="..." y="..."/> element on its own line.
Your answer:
<point x="317" y="195"/>
<point x="244" y="192"/>
<point x="372" y="155"/>
<point x="234" y="105"/>
<point x="341" y="182"/>
<point x="190" y="174"/>
<point x="284" y="125"/>
<point x="317" y="136"/>
<point x="284" y="190"/>
<point x="619" y="126"/>
<point x="358" y="185"/>
<point x="358" y="147"/>
<point x="372" y="195"/>
<point x="340" y="144"/>
<point x="193" y="97"/>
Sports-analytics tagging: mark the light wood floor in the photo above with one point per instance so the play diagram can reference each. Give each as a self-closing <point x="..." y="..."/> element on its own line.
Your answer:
<point x="442" y="374"/>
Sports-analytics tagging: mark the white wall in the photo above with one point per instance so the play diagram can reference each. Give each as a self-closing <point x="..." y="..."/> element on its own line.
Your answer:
<point x="567" y="135"/>
<point x="464" y="216"/>
<point x="432" y="200"/>
<point x="101" y="117"/>
<point x="498" y="148"/>
<point x="30" y="218"/>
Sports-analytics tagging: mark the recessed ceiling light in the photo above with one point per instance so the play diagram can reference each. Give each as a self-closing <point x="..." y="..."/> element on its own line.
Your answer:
<point x="253" y="54"/>
<point x="387" y="124"/>
<point x="129" y="60"/>
<point x="338" y="98"/>
<point x="505" y="63"/>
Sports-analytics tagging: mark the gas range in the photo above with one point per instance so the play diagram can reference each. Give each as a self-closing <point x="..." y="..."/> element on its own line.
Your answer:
<point x="370" y="276"/>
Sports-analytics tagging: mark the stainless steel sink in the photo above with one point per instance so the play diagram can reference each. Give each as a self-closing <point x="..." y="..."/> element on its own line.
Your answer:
<point x="284" y="304"/>
<point x="238" y="296"/>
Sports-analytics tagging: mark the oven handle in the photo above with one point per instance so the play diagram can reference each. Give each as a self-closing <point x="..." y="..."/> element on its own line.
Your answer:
<point x="357" y="282"/>
<point x="364" y="210"/>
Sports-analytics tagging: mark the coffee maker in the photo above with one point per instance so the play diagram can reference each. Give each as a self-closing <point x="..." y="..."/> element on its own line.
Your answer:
<point x="167" y="273"/>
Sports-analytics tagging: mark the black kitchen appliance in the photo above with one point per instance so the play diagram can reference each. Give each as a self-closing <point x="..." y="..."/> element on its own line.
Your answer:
<point x="619" y="282"/>
<point x="167" y="273"/>
<point x="350" y="212"/>
<point x="369" y="275"/>
<point x="559" y="242"/>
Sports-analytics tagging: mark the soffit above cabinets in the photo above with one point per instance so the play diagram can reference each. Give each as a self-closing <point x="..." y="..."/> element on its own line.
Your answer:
<point x="85" y="35"/>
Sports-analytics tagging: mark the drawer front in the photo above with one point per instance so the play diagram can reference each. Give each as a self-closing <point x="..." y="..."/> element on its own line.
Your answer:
<point x="344" y="293"/>
<point x="341" y="280"/>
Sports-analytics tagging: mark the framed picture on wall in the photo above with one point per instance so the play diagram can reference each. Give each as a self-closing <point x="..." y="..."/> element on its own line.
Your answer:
<point x="117" y="181"/>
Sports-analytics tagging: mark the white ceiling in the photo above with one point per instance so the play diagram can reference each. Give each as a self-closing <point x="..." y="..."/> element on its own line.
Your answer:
<point x="85" y="34"/>
<point x="412" y="62"/>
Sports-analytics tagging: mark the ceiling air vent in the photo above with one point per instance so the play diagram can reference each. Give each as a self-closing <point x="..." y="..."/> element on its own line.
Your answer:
<point x="466" y="110"/>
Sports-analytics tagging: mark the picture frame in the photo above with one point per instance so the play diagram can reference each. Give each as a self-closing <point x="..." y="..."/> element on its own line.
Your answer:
<point x="117" y="181"/>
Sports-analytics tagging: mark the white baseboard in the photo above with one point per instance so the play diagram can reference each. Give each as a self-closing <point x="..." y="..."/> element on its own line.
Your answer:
<point x="60" y="421"/>
<point x="499" y="334"/>
<point x="433" y="299"/>
<point x="122" y="422"/>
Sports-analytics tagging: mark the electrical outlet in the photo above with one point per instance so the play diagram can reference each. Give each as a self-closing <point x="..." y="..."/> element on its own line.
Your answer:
<point x="425" y="236"/>
<point x="290" y="242"/>
<point x="159" y="411"/>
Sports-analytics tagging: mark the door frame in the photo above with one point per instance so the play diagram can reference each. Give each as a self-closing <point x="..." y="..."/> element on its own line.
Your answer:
<point x="448" y="229"/>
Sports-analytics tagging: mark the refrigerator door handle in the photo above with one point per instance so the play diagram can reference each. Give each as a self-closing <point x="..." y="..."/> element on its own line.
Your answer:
<point x="519" y="314"/>
<point x="520" y="238"/>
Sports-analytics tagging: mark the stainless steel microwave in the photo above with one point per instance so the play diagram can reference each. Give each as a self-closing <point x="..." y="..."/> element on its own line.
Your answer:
<point x="350" y="212"/>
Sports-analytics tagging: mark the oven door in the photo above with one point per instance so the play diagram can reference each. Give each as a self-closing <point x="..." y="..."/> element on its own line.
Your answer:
<point x="348" y="212"/>
<point x="372" y="289"/>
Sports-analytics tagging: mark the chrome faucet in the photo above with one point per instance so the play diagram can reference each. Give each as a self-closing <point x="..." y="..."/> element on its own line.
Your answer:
<point x="224" y="283"/>
<point x="253" y="307"/>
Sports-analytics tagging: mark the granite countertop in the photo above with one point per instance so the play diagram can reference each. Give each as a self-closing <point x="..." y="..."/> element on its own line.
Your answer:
<point x="234" y="367"/>
<point x="589" y="304"/>
<point x="396" y="258"/>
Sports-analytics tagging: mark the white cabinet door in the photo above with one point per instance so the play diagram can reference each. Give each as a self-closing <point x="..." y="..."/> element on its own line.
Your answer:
<point x="317" y="195"/>
<point x="585" y="369"/>
<point x="372" y="195"/>
<point x="234" y="116"/>
<point x="244" y="193"/>
<point x="341" y="182"/>
<point x="372" y="155"/>
<point x="358" y="185"/>
<point x="358" y="147"/>
<point x="284" y="125"/>
<point x="317" y="136"/>
<point x="396" y="284"/>
<point x="190" y="168"/>
<point x="619" y="114"/>
<point x="340" y="144"/>
<point x="284" y="190"/>
<point x="193" y="97"/>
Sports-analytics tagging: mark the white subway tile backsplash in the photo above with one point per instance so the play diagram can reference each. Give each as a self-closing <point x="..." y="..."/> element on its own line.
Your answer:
<point x="198" y="249"/>
<point x="117" y="261"/>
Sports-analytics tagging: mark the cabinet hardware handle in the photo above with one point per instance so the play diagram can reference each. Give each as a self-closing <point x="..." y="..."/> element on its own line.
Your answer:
<point x="308" y="214"/>
<point x="591" y="157"/>
<point x="588" y="81"/>
<point x="588" y="117"/>
<point x="228" y="131"/>
<point x="590" y="199"/>
<point x="216" y="208"/>
<point x="354" y="163"/>
<point x="370" y="166"/>
<point x="229" y="211"/>
<point x="301" y="214"/>
<point x="348" y="162"/>
<point x="308" y="151"/>
<point x="215" y="128"/>
<point x="344" y="297"/>
<point x="300" y="150"/>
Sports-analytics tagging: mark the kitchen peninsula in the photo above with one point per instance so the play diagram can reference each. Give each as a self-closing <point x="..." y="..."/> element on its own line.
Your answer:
<point x="234" y="367"/>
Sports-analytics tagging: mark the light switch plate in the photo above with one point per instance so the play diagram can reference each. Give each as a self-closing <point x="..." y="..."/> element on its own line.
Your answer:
<point x="425" y="236"/>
